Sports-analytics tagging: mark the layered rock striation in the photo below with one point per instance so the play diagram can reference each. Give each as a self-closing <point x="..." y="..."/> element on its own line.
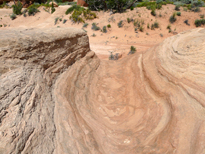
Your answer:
<point x="57" y="97"/>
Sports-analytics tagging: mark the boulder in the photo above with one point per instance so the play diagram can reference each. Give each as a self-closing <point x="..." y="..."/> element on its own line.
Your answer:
<point x="57" y="97"/>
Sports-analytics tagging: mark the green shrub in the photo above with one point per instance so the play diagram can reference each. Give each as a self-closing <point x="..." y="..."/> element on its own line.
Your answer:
<point x="64" y="21"/>
<point x="13" y="16"/>
<point x="148" y="25"/>
<point x="132" y="50"/>
<point x="153" y="12"/>
<point x="85" y="25"/>
<point x="74" y="7"/>
<point x="131" y="8"/>
<point x="156" y="24"/>
<point x="0" y="25"/>
<point x="141" y="28"/>
<point x="185" y="9"/>
<point x="120" y="24"/>
<point x="52" y="8"/>
<point x="177" y="7"/>
<point x="169" y="26"/>
<point x="17" y="8"/>
<point x="108" y="26"/>
<point x="197" y="9"/>
<point x="56" y="20"/>
<point x="202" y="16"/>
<point x="172" y="19"/>
<point x="186" y="22"/>
<point x="179" y="13"/>
<point x="93" y="35"/>
<point x="128" y="20"/>
<point x="76" y="17"/>
<point x="32" y="10"/>
<point x="104" y="30"/>
<point x="152" y="27"/>
<point x="95" y="27"/>
<point x="199" y="22"/>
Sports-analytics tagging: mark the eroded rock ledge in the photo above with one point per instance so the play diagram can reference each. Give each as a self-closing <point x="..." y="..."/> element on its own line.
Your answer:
<point x="57" y="97"/>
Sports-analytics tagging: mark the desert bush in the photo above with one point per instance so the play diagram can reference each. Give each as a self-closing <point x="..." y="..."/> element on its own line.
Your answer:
<point x="148" y="25"/>
<point x="141" y="28"/>
<point x="76" y="17"/>
<point x="186" y="22"/>
<point x="196" y="9"/>
<point x="128" y="20"/>
<point x="56" y="20"/>
<point x="172" y="19"/>
<point x="179" y="13"/>
<point x="201" y="16"/>
<point x="116" y="5"/>
<point x="52" y="9"/>
<point x="108" y="26"/>
<point x="3" y="5"/>
<point x="152" y="27"/>
<point x="161" y="34"/>
<point x="104" y="29"/>
<point x="153" y="12"/>
<point x="0" y="25"/>
<point x="177" y="7"/>
<point x="17" y="8"/>
<point x="95" y="27"/>
<point x="199" y="22"/>
<point x="156" y="24"/>
<point x="88" y="15"/>
<point x="74" y="7"/>
<point x="169" y="26"/>
<point x="13" y="16"/>
<point x="185" y="9"/>
<point x="85" y="25"/>
<point x="120" y="24"/>
<point x="93" y="35"/>
<point x="32" y="10"/>
<point x="64" y="21"/>
<point x="132" y="50"/>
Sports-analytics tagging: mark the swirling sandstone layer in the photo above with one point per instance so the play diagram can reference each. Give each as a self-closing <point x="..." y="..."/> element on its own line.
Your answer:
<point x="57" y="97"/>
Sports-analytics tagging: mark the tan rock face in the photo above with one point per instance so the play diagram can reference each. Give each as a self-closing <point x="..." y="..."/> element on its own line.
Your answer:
<point x="57" y="97"/>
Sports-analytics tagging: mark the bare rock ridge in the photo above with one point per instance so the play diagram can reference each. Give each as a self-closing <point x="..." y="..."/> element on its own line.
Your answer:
<point x="57" y="97"/>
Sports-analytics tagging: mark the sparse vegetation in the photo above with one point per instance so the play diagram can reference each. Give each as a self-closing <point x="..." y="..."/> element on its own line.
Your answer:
<point x="93" y="35"/>
<point x="104" y="29"/>
<point x="85" y="25"/>
<point x="169" y="26"/>
<point x="172" y="19"/>
<point x="52" y="8"/>
<point x="153" y="12"/>
<point x="156" y="24"/>
<point x="116" y="5"/>
<point x="32" y="10"/>
<point x="141" y="28"/>
<point x="56" y="20"/>
<point x="76" y="17"/>
<point x="74" y="7"/>
<point x="132" y="50"/>
<point x="201" y="16"/>
<point x="186" y="22"/>
<point x="13" y="16"/>
<point x="148" y="26"/>
<point x="120" y="24"/>
<point x="199" y="22"/>
<point x="178" y="13"/>
<point x="17" y="8"/>
<point x="177" y="7"/>
<point x="64" y="21"/>
<point x="108" y="26"/>
<point x="95" y="27"/>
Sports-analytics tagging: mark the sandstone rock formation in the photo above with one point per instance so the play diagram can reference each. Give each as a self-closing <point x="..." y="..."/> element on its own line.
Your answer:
<point x="57" y="97"/>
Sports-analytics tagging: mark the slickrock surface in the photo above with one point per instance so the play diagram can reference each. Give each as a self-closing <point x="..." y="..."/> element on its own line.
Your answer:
<point x="57" y="97"/>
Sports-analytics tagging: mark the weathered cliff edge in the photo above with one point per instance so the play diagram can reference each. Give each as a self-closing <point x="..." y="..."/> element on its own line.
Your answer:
<point x="57" y="97"/>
